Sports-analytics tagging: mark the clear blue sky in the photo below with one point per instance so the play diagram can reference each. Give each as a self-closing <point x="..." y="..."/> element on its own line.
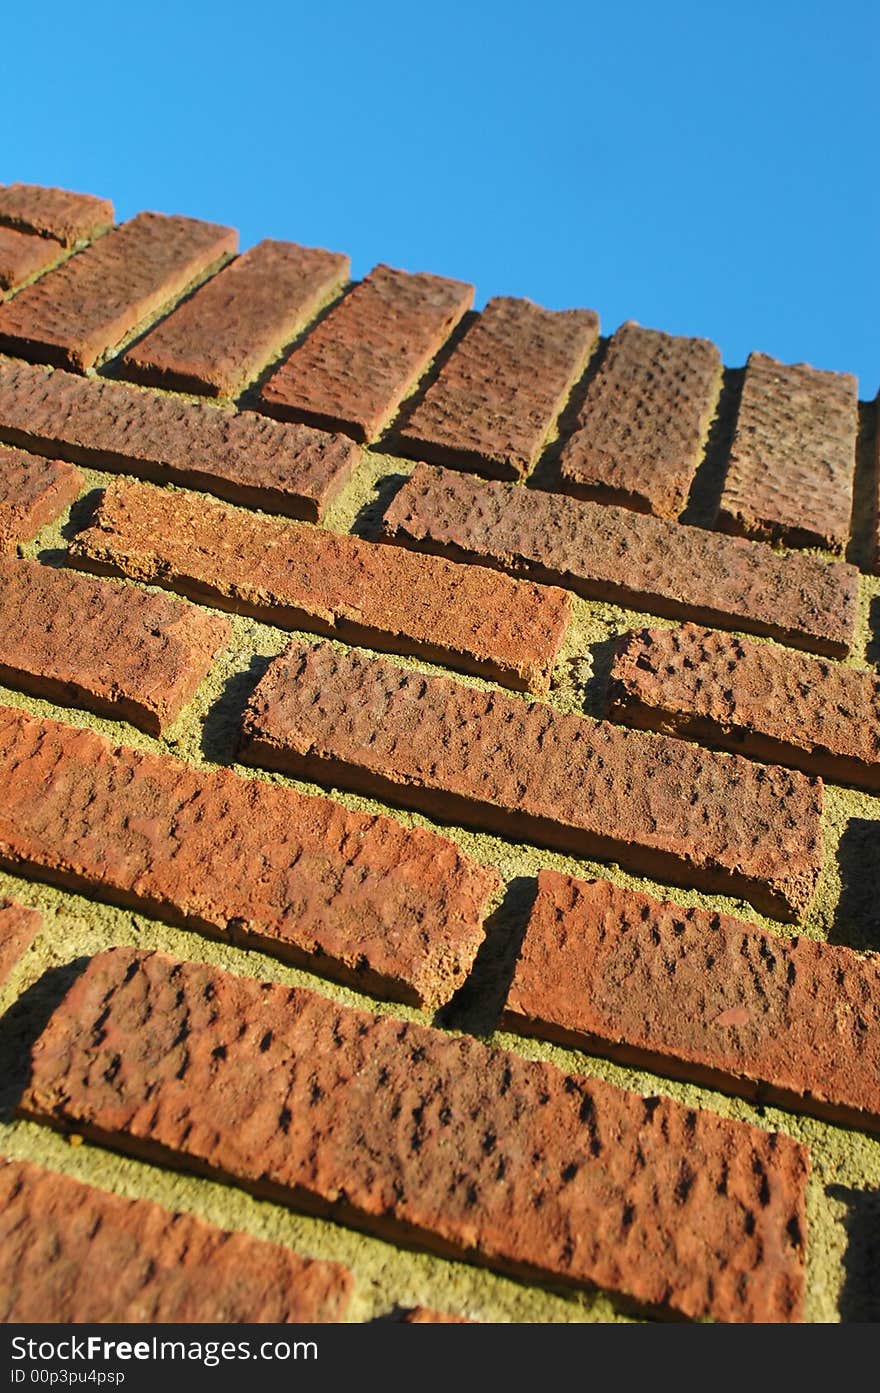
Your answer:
<point x="705" y="168"/>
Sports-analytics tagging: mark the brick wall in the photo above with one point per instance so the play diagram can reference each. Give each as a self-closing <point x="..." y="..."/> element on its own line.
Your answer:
<point x="439" y="850"/>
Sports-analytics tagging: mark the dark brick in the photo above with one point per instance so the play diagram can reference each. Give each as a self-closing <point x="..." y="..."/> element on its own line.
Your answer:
<point x="78" y="314"/>
<point x="239" y="455"/>
<point x="792" y="462"/>
<point x="498" y="396"/>
<point x="640" y="434"/>
<point x="647" y="563"/>
<point x="73" y="1253"/>
<point x="399" y="1128"/>
<point x="392" y="910"/>
<point x="86" y="642"/>
<point x="752" y="698"/>
<point x="355" y="368"/>
<point x="19" y="927"/>
<point x="701" y="996"/>
<point x="301" y="577"/>
<point x="23" y="256"/>
<point x="66" y="217"/>
<point x="656" y="805"/>
<point x="33" y="492"/>
<point x="218" y="341"/>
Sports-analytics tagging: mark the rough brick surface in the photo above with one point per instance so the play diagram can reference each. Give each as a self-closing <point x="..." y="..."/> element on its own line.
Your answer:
<point x="500" y="392"/>
<point x="306" y="578"/>
<point x="219" y="340"/>
<point x="792" y="462"/>
<point x="73" y="1253"/>
<point x="88" y="642"/>
<point x="701" y="996"/>
<point x="750" y="697"/>
<point x="398" y="1127"/>
<point x="77" y="314"/>
<point x="357" y="365"/>
<point x="640" y="434"/>
<point x="611" y="553"/>
<point x="19" y="927"/>
<point x="241" y="456"/>
<point x="33" y="492"/>
<point x="66" y="217"/>
<point x="23" y="256"/>
<point x="392" y="910"/>
<point x="657" y="805"/>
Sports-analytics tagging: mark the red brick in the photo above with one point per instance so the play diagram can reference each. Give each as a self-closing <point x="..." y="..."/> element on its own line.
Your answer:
<point x="640" y="434"/>
<point x="399" y="1128"/>
<point x="656" y="805"/>
<point x="497" y="398"/>
<point x="421" y="1315"/>
<point x="392" y="910"/>
<point x="72" y="1253"/>
<point x="790" y="477"/>
<point x="86" y="642"/>
<point x="239" y="455"/>
<point x="610" y="553"/>
<point x="32" y="492"/>
<point x="752" y="698"/>
<point x="76" y="316"/>
<point x="217" y="341"/>
<point x="22" y="257"/>
<point x="66" y="217"/>
<point x="302" y="577"/>
<point x="701" y="996"/>
<point x="19" y="927"/>
<point x="359" y="363"/>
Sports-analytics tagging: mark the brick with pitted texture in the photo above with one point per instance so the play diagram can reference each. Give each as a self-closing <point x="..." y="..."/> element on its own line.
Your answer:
<point x="33" y="492"/>
<point x="72" y="1253"/>
<point x="656" y="805"/>
<point x="391" y="910"/>
<point x="406" y="1130"/>
<point x="19" y="927"/>
<point x="23" y="256"/>
<point x="610" y="553"/>
<point x="302" y="577"/>
<point x="752" y="698"/>
<point x="66" y="217"/>
<point x="217" y="341"/>
<point x="701" y="996"/>
<point x="241" y="456"/>
<point x="357" y="365"/>
<point x="497" y="397"/>
<point x="640" y="433"/>
<point x="80" y="641"/>
<point x="79" y="313"/>
<point x="792" y="462"/>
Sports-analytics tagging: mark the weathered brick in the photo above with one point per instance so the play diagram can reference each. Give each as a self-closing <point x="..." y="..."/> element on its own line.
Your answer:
<point x="792" y="462"/>
<point x="72" y="1253"/>
<point x="302" y="577"/>
<point x="701" y="996"/>
<point x="33" y="492"/>
<point x="81" y="641"/>
<point x="19" y="927"/>
<point x="218" y="340"/>
<point x="66" y="217"/>
<point x="640" y="433"/>
<point x="657" y="805"/>
<point x="753" y="698"/>
<point x="400" y="1128"/>
<point x="23" y="256"/>
<point x="241" y="456"/>
<point x="611" y="553"/>
<point x="500" y="392"/>
<point x="357" y="365"/>
<point x="392" y="910"/>
<point x="78" y="314"/>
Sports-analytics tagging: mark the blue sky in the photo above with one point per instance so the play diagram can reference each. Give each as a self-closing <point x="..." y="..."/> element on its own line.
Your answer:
<point x="704" y="168"/>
